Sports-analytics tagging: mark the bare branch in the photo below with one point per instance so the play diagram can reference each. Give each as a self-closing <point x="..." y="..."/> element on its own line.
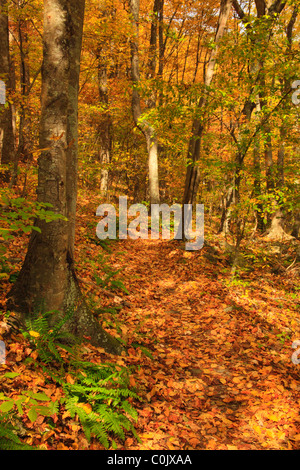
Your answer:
<point x="240" y="12"/>
<point x="291" y="24"/>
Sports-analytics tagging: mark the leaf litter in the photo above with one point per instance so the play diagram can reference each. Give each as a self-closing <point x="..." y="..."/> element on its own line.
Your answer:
<point x="210" y="359"/>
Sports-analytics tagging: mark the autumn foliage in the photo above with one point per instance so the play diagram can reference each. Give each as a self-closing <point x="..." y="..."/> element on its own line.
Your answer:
<point x="207" y="341"/>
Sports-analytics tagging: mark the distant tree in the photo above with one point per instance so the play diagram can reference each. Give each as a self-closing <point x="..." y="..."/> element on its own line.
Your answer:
<point x="192" y="178"/>
<point x="147" y="128"/>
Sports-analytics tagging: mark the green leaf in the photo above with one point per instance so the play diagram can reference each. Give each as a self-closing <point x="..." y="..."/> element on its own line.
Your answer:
<point x="32" y="415"/>
<point x="11" y="375"/>
<point x="19" y="405"/>
<point x="40" y="396"/>
<point x="43" y="410"/>
<point x="7" y="406"/>
<point x="37" y="229"/>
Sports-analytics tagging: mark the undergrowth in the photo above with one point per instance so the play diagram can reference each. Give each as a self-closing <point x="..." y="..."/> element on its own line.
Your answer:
<point x="96" y="395"/>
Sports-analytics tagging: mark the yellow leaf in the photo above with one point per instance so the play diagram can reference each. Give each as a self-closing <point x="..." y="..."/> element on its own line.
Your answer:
<point x="229" y="447"/>
<point x="148" y="435"/>
<point x="236" y="380"/>
<point x="274" y="417"/>
<point x="257" y="429"/>
<point x="183" y="364"/>
<point x="35" y="334"/>
<point x="294" y="385"/>
<point x="86" y="407"/>
<point x="270" y="433"/>
<point x="75" y="427"/>
<point x="4" y="276"/>
<point x="174" y="441"/>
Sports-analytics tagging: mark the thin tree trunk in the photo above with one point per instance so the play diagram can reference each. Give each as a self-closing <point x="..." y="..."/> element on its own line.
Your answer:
<point x="192" y="175"/>
<point x="47" y="281"/>
<point x="24" y="121"/>
<point x="255" y="68"/>
<point x="148" y="130"/>
<point x="257" y="185"/>
<point x="7" y="138"/>
<point x="105" y="126"/>
<point x="276" y="230"/>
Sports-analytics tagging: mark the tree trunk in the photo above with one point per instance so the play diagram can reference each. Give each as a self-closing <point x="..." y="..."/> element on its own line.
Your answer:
<point x="257" y="185"/>
<point x="47" y="281"/>
<point x="280" y="157"/>
<point x="105" y="126"/>
<point x="276" y="231"/>
<point x="7" y="138"/>
<point x="256" y="69"/>
<point x="296" y="225"/>
<point x="192" y="179"/>
<point x="146" y="128"/>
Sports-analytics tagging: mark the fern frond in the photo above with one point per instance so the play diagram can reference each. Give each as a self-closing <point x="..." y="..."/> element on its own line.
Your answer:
<point x="9" y="439"/>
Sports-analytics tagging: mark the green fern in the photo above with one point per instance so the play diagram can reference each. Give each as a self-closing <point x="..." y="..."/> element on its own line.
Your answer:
<point x="99" y="399"/>
<point x="9" y="439"/>
<point x="50" y="341"/>
<point x="100" y="393"/>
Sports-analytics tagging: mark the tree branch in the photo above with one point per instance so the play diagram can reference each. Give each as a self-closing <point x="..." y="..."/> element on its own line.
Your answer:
<point x="240" y="12"/>
<point x="276" y="7"/>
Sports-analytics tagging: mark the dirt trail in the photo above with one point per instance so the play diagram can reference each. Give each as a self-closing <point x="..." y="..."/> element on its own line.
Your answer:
<point x="219" y="378"/>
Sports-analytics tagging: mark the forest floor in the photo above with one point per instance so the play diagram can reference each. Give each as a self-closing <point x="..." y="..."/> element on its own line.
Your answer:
<point x="214" y="365"/>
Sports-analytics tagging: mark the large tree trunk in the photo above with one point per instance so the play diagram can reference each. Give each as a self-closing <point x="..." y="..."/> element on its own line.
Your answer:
<point x="47" y="280"/>
<point x="7" y="138"/>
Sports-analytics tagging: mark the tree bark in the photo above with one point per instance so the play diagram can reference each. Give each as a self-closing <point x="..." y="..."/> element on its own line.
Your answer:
<point x="24" y="120"/>
<point x="47" y="281"/>
<point x="257" y="185"/>
<point x="7" y="137"/>
<point x="147" y="129"/>
<point x="105" y="126"/>
<point x="107" y="14"/>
